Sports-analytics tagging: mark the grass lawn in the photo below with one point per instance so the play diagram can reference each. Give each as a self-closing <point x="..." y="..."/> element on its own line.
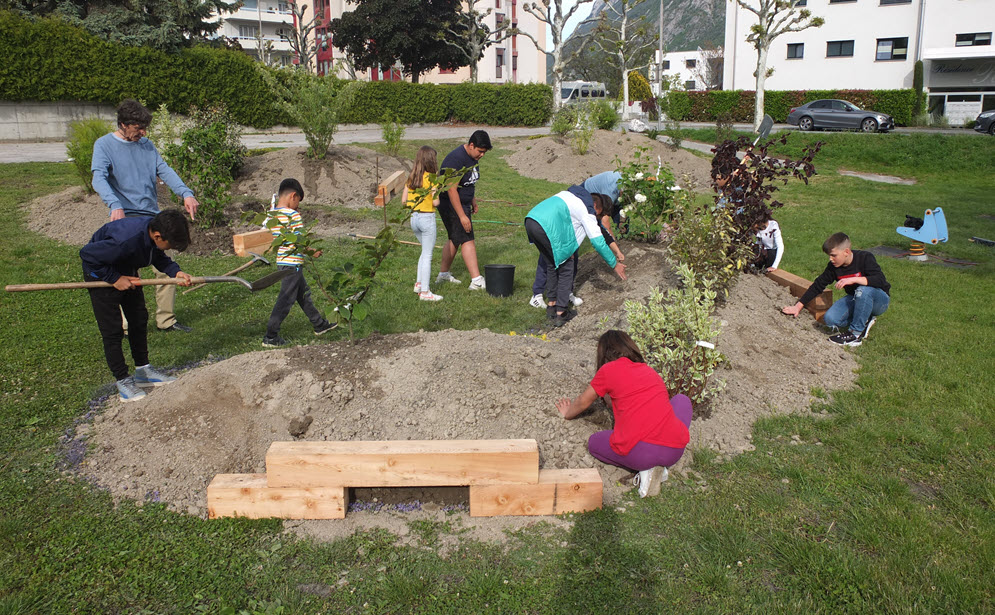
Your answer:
<point x="893" y="513"/>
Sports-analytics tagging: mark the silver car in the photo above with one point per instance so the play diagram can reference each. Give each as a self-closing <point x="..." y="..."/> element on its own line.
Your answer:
<point x="839" y="115"/>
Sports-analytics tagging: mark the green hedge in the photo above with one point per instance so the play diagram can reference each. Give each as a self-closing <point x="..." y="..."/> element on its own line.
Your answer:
<point x="481" y="103"/>
<point x="709" y="106"/>
<point x="50" y="60"/>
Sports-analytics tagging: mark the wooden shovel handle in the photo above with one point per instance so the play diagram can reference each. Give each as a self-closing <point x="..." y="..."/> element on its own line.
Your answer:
<point x="13" y="288"/>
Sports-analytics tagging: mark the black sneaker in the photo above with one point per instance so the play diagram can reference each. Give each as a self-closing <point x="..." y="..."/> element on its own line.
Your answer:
<point x="564" y="318"/>
<point x="274" y="342"/>
<point x="177" y="327"/>
<point x="846" y="339"/>
<point x="325" y="328"/>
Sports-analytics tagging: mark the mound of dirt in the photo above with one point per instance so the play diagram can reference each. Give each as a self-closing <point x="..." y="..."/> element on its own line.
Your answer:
<point x="222" y="417"/>
<point x="552" y="158"/>
<point x="346" y="176"/>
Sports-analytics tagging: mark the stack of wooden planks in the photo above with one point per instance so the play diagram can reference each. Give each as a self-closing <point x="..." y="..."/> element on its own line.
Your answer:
<point x="390" y="188"/>
<point x="311" y="480"/>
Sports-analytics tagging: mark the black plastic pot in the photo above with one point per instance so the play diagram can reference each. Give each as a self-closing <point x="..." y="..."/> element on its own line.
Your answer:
<point x="500" y="279"/>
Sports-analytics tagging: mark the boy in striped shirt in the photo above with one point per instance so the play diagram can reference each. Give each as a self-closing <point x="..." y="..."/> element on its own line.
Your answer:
<point x="293" y="288"/>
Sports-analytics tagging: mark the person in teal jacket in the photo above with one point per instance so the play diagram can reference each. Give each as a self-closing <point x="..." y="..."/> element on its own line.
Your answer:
<point x="557" y="226"/>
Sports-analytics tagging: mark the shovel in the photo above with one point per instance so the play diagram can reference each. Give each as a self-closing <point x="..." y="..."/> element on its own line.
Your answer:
<point x="261" y="283"/>
<point x="255" y="259"/>
<point x="765" y="125"/>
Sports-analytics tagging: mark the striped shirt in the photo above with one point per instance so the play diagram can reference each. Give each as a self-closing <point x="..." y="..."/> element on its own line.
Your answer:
<point x="290" y="220"/>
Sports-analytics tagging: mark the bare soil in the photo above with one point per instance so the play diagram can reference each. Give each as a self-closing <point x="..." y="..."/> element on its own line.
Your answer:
<point x="552" y="158"/>
<point x="221" y="417"/>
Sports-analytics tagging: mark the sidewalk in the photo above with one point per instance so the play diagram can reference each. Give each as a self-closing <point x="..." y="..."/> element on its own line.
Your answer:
<point x="56" y="151"/>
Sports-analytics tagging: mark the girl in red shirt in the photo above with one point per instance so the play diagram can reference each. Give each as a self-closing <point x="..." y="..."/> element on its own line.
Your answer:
<point x="651" y="429"/>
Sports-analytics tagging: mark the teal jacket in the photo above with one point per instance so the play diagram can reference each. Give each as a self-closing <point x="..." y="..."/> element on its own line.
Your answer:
<point x="567" y="217"/>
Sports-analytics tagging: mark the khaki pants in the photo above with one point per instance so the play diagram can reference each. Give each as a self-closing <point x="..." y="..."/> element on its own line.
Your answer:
<point x="165" y="301"/>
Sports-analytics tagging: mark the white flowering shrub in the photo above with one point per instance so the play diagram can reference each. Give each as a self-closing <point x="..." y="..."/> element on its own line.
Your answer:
<point x="647" y="191"/>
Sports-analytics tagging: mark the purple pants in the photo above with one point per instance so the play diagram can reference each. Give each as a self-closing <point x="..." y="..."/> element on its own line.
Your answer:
<point x="643" y="455"/>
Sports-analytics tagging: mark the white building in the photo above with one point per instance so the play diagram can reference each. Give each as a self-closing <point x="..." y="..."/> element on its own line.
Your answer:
<point x="272" y="17"/>
<point x="690" y="70"/>
<point x="513" y="60"/>
<point x="874" y="44"/>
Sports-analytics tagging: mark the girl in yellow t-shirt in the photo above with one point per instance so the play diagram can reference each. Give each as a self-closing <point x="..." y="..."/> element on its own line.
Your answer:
<point x="423" y="217"/>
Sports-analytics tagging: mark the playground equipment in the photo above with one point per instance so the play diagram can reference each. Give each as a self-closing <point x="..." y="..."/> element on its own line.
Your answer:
<point x="931" y="229"/>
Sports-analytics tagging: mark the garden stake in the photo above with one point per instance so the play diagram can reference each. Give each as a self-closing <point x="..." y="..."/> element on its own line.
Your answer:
<point x="407" y="243"/>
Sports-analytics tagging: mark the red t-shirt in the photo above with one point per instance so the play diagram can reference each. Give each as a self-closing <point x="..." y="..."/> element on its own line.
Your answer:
<point x="641" y="405"/>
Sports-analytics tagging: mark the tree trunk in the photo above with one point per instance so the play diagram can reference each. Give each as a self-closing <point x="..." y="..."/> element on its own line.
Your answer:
<point x="761" y="74"/>
<point x="625" y="94"/>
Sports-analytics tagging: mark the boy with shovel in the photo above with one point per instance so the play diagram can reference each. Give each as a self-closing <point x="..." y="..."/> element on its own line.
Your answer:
<point x="114" y="255"/>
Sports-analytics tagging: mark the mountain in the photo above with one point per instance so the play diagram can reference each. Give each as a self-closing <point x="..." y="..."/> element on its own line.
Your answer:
<point x="687" y="25"/>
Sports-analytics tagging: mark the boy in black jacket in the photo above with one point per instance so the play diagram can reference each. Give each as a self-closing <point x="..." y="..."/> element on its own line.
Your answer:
<point x="867" y="292"/>
<point x="114" y="255"/>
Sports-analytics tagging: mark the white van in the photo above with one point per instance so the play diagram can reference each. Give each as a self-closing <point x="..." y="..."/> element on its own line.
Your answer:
<point x="582" y="91"/>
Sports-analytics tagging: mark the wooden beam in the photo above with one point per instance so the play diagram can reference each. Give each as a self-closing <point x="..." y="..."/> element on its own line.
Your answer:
<point x="253" y="241"/>
<point x="247" y="495"/>
<point x="390" y="188"/>
<point x="558" y="491"/>
<point x="797" y="285"/>
<point x="402" y="463"/>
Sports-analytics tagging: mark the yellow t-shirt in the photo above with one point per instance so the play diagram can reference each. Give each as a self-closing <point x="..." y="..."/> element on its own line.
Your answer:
<point x="424" y="204"/>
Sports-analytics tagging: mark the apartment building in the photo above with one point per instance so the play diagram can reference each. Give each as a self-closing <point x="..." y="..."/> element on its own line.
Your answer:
<point x="689" y="70"/>
<point x="271" y="17"/>
<point x="874" y="44"/>
<point x="513" y="60"/>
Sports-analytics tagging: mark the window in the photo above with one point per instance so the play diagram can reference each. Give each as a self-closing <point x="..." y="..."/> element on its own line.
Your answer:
<point x="839" y="49"/>
<point x="250" y="4"/>
<point x="284" y="34"/>
<point x="975" y="38"/>
<point x="892" y="49"/>
<point x="885" y="2"/>
<point x="498" y="20"/>
<point x="666" y="65"/>
<point x="500" y="62"/>
<point x="840" y="1"/>
<point x="796" y="51"/>
<point x="690" y="63"/>
<point x="514" y="62"/>
<point x="689" y="85"/>
<point x="248" y="31"/>
<point x="801" y="3"/>
<point x="446" y="71"/>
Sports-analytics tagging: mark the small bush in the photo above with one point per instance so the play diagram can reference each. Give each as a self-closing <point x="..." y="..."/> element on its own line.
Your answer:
<point x="564" y="121"/>
<point x="79" y="148"/>
<point x="704" y="238"/>
<point x="314" y="104"/>
<point x="209" y="155"/>
<point x="580" y="140"/>
<point x="723" y="127"/>
<point x="603" y="114"/>
<point x="675" y="134"/>
<point x="668" y="327"/>
<point x="646" y="192"/>
<point x="392" y="132"/>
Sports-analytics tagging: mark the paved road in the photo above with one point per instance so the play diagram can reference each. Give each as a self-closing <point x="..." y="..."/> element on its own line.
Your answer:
<point x="56" y="151"/>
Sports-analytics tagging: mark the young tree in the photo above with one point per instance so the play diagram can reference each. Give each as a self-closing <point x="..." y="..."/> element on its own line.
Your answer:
<point x="623" y="39"/>
<point x="774" y="18"/>
<point x="550" y="12"/>
<point x="470" y="36"/>
<point x="301" y="36"/>
<point x="385" y="32"/>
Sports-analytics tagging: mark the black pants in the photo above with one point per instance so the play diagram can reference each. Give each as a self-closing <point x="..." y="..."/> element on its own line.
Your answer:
<point x="108" y="303"/>
<point x="559" y="280"/>
<point x="293" y="289"/>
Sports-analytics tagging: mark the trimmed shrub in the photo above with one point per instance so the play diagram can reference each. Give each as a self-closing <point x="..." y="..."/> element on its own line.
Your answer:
<point x="603" y="114"/>
<point x="51" y="60"/>
<point x="564" y="120"/>
<point x="639" y="87"/>
<point x="79" y="148"/>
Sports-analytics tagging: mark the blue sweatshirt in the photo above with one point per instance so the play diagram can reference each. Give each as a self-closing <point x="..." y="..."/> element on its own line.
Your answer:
<point x="122" y="247"/>
<point x="124" y="175"/>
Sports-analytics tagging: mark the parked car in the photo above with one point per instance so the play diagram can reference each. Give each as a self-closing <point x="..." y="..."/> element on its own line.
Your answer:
<point x="986" y="122"/>
<point x="838" y="114"/>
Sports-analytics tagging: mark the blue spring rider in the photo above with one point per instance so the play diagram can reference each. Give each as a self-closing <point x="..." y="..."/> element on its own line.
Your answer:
<point x="932" y="229"/>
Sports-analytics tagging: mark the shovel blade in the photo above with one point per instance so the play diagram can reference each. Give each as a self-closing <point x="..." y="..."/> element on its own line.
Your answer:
<point x="269" y="279"/>
<point x="765" y="125"/>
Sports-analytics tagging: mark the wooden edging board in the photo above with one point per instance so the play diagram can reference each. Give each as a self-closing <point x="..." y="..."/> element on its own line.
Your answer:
<point x="402" y="463"/>
<point x="558" y="491"/>
<point x="247" y="495"/>
<point x="797" y="285"/>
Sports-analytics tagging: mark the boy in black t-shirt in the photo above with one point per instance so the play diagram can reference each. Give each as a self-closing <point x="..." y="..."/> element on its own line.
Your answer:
<point x="457" y="205"/>
<point x="867" y="292"/>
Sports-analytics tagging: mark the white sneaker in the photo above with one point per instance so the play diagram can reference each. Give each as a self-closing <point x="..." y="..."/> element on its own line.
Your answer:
<point x="867" y="329"/>
<point x="446" y="277"/>
<point x="478" y="283"/>
<point x="575" y="300"/>
<point x="648" y="481"/>
<point x="429" y="296"/>
<point x="537" y="302"/>
<point x="417" y="287"/>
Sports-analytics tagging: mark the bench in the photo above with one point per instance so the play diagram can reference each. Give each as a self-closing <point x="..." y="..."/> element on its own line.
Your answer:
<point x="797" y="285"/>
<point x="311" y="480"/>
